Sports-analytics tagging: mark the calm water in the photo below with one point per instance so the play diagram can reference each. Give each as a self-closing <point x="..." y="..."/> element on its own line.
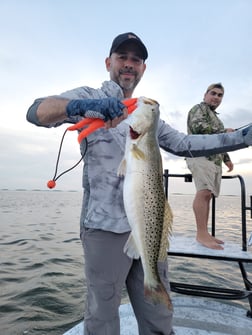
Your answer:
<point x="42" y="283"/>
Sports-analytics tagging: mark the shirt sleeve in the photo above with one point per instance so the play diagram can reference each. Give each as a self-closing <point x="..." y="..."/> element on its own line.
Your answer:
<point x="184" y="145"/>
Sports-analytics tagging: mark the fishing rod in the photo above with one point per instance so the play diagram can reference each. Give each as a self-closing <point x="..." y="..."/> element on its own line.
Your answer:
<point x="242" y="127"/>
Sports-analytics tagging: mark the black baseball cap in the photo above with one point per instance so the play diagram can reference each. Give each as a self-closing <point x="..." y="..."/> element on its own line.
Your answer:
<point x="126" y="37"/>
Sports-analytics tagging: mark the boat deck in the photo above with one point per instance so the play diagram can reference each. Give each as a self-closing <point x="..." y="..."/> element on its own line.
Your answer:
<point x="189" y="247"/>
<point x="192" y="316"/>
<point x="201" y="315"/>
<point x="181" y="246"/>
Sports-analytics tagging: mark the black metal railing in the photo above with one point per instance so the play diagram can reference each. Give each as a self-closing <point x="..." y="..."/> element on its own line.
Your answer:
<point x="209" y="291"/>
<point x="188" y="178"/>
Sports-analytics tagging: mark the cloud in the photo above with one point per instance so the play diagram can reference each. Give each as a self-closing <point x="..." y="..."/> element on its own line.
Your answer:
<point x="28" y="159"/>
<point x="39" y="60"/>
<point x="237" y="118"/>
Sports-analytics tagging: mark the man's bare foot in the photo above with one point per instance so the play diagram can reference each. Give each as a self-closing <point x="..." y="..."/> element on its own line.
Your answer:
<point x="210" y="241"/>
<point x="217" y="240"/>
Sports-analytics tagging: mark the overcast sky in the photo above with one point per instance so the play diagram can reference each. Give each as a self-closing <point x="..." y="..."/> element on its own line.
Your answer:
<point x="50" y="46"/>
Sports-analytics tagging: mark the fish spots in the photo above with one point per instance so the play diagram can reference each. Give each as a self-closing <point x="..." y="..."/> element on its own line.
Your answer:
<point x="144" y="198"/>
<point x="153" y="217"/>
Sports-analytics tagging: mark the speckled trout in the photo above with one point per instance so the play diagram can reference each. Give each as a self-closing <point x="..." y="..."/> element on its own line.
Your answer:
<point x="147" y="209"/>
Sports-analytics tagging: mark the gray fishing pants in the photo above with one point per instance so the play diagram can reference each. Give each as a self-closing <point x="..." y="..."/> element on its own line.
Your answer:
<point x="107" y="270"/>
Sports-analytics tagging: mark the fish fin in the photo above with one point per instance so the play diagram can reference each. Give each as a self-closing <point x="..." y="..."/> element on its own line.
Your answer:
<point x="130" y="248"/>
<point x="167" y="231"/>
<point x="122" y="168"/>
<point x="158" y="295"/>
<point x="137" y="153"/>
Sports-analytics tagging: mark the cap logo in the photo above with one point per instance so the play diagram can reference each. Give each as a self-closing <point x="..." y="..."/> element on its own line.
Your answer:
<point x="132" y="36"/>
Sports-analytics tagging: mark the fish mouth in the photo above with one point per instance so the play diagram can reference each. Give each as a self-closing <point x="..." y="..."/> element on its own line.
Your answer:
<point x="134" y="134"/>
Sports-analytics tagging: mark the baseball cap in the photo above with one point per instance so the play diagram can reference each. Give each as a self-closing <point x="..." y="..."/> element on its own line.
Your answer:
<point x="123" y="38"/>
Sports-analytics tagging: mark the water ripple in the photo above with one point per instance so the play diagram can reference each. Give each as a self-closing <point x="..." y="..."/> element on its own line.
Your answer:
<point x="41" y="266"/>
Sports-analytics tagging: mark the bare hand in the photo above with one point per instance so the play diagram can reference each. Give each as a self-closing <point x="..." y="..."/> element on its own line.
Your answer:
<point x="229" y="130"/>
<point x="113" y="123"/>
<point x="230" y="166"/>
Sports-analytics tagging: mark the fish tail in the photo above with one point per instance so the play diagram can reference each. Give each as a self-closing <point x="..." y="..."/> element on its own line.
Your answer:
<point x="158" y="295"/>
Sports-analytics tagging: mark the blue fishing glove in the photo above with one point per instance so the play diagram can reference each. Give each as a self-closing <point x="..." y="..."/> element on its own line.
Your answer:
<point x="247" y="134"/>
<point x="105" y="109"/>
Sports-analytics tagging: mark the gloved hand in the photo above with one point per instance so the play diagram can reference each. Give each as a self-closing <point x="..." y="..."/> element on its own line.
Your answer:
<point x="247" y="134"/>
<point x="105" y="109"/>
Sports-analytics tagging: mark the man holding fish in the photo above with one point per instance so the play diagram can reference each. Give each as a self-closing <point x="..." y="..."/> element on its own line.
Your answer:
<point x="125" y="219"/>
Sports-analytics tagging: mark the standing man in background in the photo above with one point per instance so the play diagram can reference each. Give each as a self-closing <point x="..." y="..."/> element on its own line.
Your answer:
<point x="207" y="171"/>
